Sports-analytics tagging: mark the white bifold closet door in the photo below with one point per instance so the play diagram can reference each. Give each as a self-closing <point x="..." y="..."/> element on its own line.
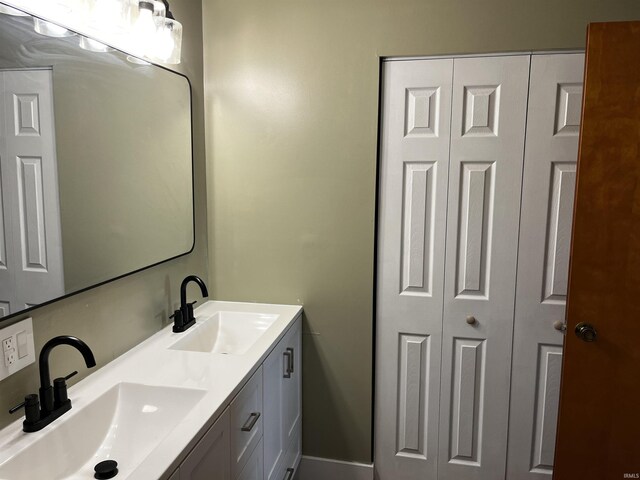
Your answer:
<point x="477" y="178"/>
<point x="412" y="219"/>
<point x="31" y="267"/>
<point x="487" y="147"/>
<point x="553" y="127"/>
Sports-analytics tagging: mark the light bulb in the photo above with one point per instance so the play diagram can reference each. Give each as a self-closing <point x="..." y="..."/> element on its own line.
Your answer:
<point x="164" y="44"/>
<point x="168" y="43"/>
<point x="144" y="30"/>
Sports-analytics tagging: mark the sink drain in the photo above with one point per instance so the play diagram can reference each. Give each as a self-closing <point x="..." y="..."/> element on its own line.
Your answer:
<point x="106" y="469"/>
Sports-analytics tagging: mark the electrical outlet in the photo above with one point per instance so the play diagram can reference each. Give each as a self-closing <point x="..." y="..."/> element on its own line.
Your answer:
<point x="17" y="347"/>
<point x="9" y="358"/>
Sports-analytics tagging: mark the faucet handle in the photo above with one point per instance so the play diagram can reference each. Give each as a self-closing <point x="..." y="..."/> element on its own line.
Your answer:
<point x="31" y="406"/>
<point x="60" y="390"/>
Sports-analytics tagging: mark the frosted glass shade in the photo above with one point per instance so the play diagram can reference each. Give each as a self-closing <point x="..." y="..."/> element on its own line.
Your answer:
<point x="92" y="45"/>
<point x="168" y="43"/>
<point x="50" y="29"/>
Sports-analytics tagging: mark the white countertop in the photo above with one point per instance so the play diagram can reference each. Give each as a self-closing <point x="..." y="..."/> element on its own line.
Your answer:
<point x="153" y="363"/>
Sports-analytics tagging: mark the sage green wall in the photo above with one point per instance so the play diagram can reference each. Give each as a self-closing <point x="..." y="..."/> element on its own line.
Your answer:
<point x="291" y="127"/>
<point x="117" y="316"/>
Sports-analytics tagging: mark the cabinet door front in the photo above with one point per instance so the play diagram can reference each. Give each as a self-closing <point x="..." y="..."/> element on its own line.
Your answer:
<point x="209" y="460"/>
<point x="282" y="400"/>
<point x="291" y="396"/>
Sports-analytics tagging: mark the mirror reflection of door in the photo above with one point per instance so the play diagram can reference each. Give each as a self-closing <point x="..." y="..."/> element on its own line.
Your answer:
<point x="31" y="269"/>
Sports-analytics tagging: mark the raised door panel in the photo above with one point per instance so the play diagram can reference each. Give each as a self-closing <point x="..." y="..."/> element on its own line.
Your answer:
<point x="209" y="460"/>
<point x="6" y="241"/>
<point x="30" y="188"/>
<point x="548" y="189"/>
<point x="416" y="114"/>
<point x="487" y="148"/>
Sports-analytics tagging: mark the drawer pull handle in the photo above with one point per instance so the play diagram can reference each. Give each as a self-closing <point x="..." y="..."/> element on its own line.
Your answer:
<point x="251" y="422"/>
<point x="289" y="474"/>
<point x="287" y="365"/>
<point x="292" y="357"/>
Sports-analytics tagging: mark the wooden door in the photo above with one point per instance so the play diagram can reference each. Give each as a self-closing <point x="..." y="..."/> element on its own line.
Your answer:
<point x="548" y="185"/>
<point x="487" y="150"/>
<point x="416" y="112"/>
<point x="599" y="420"/>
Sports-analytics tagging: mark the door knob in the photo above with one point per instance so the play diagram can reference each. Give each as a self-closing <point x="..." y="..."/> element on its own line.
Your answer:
<point x="560" y="326"/>
<point x="586" y="332"/>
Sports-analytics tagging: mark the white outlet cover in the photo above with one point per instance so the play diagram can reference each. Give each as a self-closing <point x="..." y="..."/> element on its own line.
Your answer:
<point x="11" y="332"/>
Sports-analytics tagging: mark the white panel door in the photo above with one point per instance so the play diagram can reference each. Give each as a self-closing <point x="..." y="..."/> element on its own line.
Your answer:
<point x="412" y="222"/>
<point x="487" y="148"/>
<point x="6" y="245"/>
<point x="30" y="190"/>
<point x="553" y="124"/>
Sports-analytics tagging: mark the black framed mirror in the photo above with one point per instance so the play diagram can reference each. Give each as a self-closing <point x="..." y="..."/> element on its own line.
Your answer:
<point x="96" y="165"/>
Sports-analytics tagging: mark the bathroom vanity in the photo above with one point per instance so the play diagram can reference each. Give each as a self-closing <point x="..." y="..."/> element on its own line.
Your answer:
<point x="219" y="401"/>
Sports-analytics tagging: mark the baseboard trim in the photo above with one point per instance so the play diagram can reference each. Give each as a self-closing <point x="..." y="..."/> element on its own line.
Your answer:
<point x="315" y="468"/>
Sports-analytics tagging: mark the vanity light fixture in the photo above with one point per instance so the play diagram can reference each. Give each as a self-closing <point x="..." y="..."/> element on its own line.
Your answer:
<point x="144" y="28"/>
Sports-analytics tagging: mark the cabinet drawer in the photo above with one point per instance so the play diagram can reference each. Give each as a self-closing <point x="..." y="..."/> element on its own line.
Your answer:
<point x="291" y="458"/>
<point x="254" y="469"/>
<point x="246" y="423"/>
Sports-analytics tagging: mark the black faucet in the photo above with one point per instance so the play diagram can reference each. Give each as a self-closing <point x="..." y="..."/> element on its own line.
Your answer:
<point x="183" y="317"/>
<point x="53" y="401"/>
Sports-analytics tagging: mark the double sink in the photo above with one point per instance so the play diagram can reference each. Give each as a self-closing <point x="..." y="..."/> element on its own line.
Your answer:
<point x="130" y="420"/>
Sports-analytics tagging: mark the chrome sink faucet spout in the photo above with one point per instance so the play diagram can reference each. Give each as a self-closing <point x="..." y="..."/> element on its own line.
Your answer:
<point x="53" y="402"/>
<point x="183" y="318"/>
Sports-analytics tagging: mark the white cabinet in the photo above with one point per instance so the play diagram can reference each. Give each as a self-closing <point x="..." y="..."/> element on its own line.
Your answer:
<point x="476" y="192"/>
<point x="254" y="468"/>
<point x="282" y="402"/>
<point x="210" y="458"/>
<point x="258" y="437"/>
<point x="246" y="422"/>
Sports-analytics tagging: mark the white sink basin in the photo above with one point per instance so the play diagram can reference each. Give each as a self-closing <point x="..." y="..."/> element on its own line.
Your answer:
<point x="124" y="424"/>
<point x="225" y="332"/>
